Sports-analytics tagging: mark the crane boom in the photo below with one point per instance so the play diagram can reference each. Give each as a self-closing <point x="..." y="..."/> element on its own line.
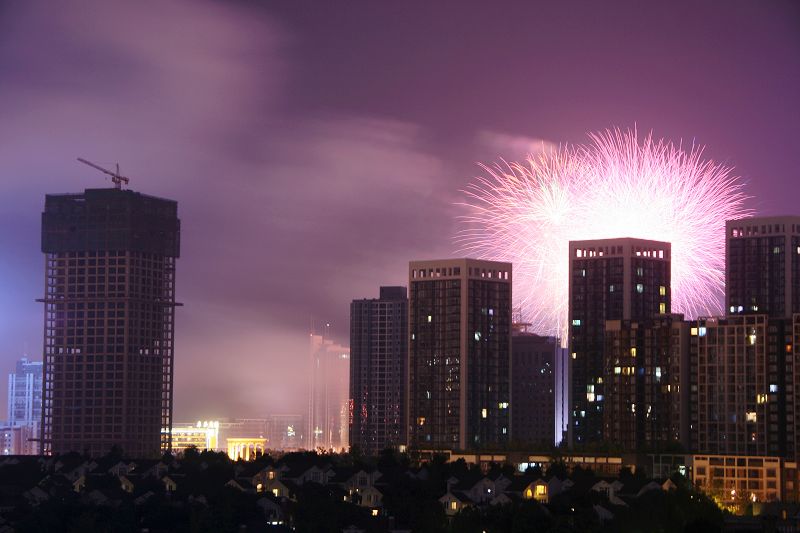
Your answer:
<point x="116" y="177"/>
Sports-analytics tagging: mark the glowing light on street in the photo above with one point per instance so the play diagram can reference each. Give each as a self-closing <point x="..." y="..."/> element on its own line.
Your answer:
<point x="616" y="185"/>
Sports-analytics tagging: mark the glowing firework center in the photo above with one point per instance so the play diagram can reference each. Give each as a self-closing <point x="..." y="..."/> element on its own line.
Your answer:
<point x="615" y="186"/>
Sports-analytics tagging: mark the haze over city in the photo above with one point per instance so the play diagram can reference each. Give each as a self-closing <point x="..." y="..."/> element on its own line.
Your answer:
<point x="314" y="149"/>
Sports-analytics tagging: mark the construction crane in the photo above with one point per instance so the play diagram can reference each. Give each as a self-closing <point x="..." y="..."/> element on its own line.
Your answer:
<point x="116" y="177"/>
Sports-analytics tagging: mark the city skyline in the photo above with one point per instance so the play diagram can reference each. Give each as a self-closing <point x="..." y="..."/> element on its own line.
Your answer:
<point x="234" y="164"/>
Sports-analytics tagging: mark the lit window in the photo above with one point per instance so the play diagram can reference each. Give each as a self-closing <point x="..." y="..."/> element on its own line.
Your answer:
<point x="761" y="398"/>
<point x="421" y="421"/>
<point x="484" y="413"/>
<point x="693" y="332"/>
<point x="477" y="335"/>
<point x="589" y="396"/>
<point x="662" y="290"/>
<point x="528" y="494"/>
<point x="617" y="370"/>
<point x="430" y="318"/>
<point x="773" y="387"/>
<point x="639" y="271"/>
<point x="662" y="308"/>
<point x="454" y="505"/>
<point x="702" y="331"/>
<point x="374" y="512"/>
<point x="503" y="405"/>
<point x="576" y="321"/>
<point x="574" y="355"/>
<point x="750" y="416"/>
<point x="639" y="288"/>
<point x="633" y="352"/>
<point x="541" y="490"/>
<point x="752" y="338"/>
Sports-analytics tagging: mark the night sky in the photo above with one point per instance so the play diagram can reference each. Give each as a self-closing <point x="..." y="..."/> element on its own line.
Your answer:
<point x="315" y="147"/>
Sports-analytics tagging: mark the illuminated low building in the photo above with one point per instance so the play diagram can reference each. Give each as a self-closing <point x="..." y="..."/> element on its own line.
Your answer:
<point x="203" y="435"/>
<point x="246" y="448"/>
<point x="736" y="480"/>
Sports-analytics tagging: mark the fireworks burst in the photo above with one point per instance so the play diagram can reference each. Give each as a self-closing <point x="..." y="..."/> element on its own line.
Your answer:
<point x="614" y="186"/>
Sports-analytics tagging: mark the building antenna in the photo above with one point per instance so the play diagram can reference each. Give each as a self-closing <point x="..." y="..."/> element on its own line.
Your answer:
<point x="116" y="177"/>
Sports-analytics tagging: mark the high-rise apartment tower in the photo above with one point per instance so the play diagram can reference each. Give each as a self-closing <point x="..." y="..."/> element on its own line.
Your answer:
<point x="459" y="369"/>
<point x="109" y="321"/>
<point x="609" y="279"/>
<point x="533" y="388"/>
<point x="762" y="266"/>
<point x="378" y="356"/>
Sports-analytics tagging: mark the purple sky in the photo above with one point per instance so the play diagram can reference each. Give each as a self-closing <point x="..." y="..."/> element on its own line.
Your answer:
<point x="315" y="147"/>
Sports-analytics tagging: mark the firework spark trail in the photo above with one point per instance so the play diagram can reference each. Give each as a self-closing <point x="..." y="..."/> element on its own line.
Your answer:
<point x="614" y="186"/>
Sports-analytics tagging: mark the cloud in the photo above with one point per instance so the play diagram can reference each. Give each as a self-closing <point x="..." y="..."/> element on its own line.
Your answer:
<point x="285" y="217"/>
<point x="511" y="147"/>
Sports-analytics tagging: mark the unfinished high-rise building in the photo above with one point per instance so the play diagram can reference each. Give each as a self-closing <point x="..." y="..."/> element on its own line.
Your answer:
<point x="109" y="321"/>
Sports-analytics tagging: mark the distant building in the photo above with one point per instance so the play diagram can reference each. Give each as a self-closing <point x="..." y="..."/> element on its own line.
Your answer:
<point x="203" y="435"/>
<point x="762" y="273"/>
<point x="284" y="432"/>
<point x="25" y="394"/>
<point x="610" y="279"/>
<point x="744" y="388"/>
<point x="533" y="387"/>
<point x="378" y="356"/>
<point x="25" y="407"/>
<point x="328" y="399"/>
<point x="108" y="321"/>
<point x="245" y="448"/>
<point x="645" y="382"/>
<point x="19" y="440"/>
<point x="459" y="378"/>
